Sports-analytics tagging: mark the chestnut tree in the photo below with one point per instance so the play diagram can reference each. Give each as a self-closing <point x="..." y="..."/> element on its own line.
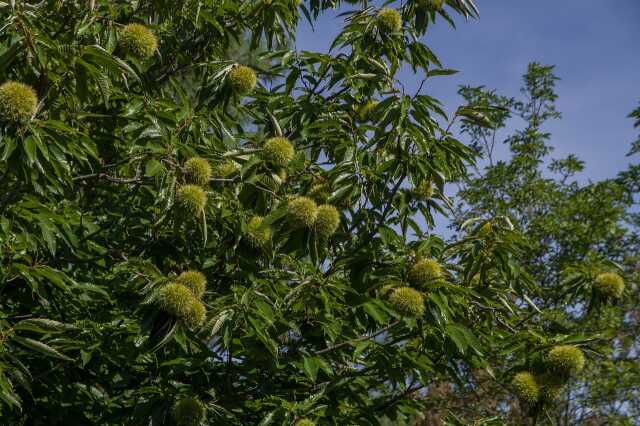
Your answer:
<point x="200" y="224"/>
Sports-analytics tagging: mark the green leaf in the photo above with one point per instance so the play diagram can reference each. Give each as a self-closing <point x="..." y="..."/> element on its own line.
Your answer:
<point x="40" y="347"/>
<point x="310" y="367"/>
<point x="42" y="325"/>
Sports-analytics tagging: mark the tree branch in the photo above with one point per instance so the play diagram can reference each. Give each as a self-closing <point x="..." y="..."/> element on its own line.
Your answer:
<point x="136" y="179"/>
<point x="360" y="339"/>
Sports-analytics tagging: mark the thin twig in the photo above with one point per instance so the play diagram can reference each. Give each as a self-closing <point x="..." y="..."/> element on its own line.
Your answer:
<point x="360" y="339"/>
<point x="136" y="179"/>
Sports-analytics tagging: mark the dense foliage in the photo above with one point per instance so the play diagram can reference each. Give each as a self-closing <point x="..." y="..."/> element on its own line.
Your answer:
<point x="201" y="225"/>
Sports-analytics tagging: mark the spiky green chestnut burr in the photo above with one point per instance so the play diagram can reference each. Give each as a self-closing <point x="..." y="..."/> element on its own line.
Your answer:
<point x="198" y="171"/>
<point x="192" y="198"/>
<point x="273" y="179"/>
<point x="242" y="79"/>
<point x="226" y="169"/>
<point x="302" y="212"/>
<point x="389" y="20"/>
<point x="407" y="301"/>
<point x="424" y="272"/>
<point x="278" y="151"/>
<point x="526" y="388"/>
<point x="486" y="229"/>
<point x="609" y="284"/>
<point x="327" y="221"/>
<point x="565" y="360"/>
<point x="175" y="299"/>
<point x="197" y="313"/>
<point x="257" y="235"/>
<point x="435" y="4"/>
<point x="194" y="281"/>
<point x="18" y="101"/>
<point x="550" y="392"/>
<point x="424" y="190"/>
<point x="387" y="286"/>
<point x="305" y="422"/>
<point x="138" y="41"/>
<point x="189" y="412"/>
<point x="178" y="301"/>
<point x="475" y="280"/>
<point x="320" y="193"/>
<point x="365" y="112"/>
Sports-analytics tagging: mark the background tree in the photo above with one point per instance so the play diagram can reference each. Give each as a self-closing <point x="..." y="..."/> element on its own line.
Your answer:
<point x="574" y="232"/>
<point x="186" y="239"/>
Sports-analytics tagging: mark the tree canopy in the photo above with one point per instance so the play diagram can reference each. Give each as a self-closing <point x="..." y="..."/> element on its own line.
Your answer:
<point x="202" y="225"/>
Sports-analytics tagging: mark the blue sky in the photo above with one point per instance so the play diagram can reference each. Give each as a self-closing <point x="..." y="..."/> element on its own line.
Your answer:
<point x="595" y="46"/>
